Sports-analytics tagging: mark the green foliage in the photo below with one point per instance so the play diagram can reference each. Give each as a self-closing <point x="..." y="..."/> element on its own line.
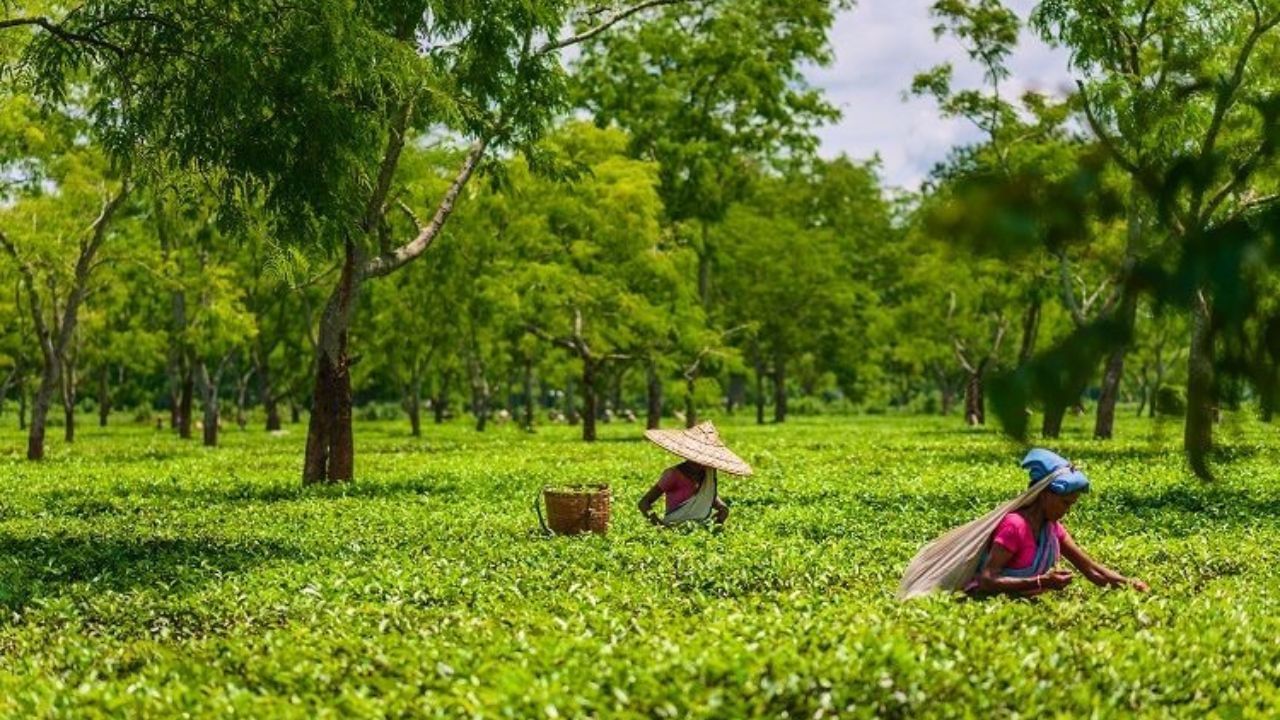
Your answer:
<point x="219" y="586"/>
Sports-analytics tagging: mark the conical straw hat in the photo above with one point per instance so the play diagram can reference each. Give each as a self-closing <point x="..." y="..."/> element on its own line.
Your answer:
<point x="701" y="444"/>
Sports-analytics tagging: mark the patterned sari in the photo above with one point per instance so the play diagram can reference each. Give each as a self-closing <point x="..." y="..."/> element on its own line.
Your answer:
<point x="1048" y="551"/>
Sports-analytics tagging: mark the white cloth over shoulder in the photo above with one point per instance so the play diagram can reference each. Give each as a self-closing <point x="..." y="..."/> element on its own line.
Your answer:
<point x="697" y="508"/>
<point x="951" y="560"/>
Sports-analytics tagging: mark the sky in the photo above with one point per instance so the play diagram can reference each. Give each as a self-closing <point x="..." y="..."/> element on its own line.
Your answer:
<point x="880" y="46"/>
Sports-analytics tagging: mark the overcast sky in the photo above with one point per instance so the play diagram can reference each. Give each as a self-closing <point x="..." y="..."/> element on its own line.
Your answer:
<point x="879" y="47"/>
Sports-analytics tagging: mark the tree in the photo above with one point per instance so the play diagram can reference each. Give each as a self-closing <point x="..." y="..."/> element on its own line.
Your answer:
<point x="1183" y="106"/>
<point x="591" y="276"/>
<point x="333" y="109"/>
<point x="65" y="207"/>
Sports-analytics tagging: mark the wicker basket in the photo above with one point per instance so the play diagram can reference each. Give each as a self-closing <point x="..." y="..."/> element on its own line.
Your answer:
<point x="576" y="509"/>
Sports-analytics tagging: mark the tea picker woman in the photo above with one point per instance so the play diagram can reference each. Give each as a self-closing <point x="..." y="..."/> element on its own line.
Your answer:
<point x="690" y="488"/>
<point x="1015" y="548"/>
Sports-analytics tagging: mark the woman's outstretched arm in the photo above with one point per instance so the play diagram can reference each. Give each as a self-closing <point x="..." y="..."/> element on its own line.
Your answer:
<point x="1094" y="571"/>
<point x="646" y="504"/>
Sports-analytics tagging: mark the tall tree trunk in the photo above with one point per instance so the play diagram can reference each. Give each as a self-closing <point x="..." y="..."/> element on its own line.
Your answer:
<point x="104" y="395"/>
<point x="295" y="412"/>
<point x="49" y="384"/>
<point x="270" y="403"/>
<point x="780" y="390"/>
<point x="760" y="373"/>
<point x="1113" y="373"/>
<point x="174" y="397"/>
<point x="209" y="402"/>
<point x="22" y="402"/>
<point x="589" y="392"/>
<point x="413" y="404"/>
<point x="480" y="401"/>
<point x="69" y="381"/>
<point x="242" y="398"/>
<point x="1030" y="330"/>
<point x="529" y="401"/>
<point x="4" y="388"/>
<point x="440" y="403"/>
<point x="653" y="397"/>
<point x="1053" y="416"/>
<point x="1198" y="436"/>
<point x="186" y="395"/>
<point x="570" y="402"/>
<point x="330" y="453"/>
<point x="946" y="392"/>
<point x="616" y="380"/>
<point x="975" y="412"/>
<point x="737" y="394"/>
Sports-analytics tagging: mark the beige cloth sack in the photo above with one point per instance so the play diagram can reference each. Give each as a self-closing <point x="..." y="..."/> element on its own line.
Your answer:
<point x="697" y="508"/>
<point x="950" y="561"/>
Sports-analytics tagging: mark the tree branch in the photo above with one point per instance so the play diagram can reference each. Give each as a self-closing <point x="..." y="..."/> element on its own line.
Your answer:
<point x="62" y="33"/>
<point x="387" y="168"/>
<point x="1227" y="95"/>
<point x="609" y="21"/>
<point x="387" y="262"/>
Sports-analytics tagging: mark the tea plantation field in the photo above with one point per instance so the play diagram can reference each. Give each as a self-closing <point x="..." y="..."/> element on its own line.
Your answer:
<point x="147" y="577"/>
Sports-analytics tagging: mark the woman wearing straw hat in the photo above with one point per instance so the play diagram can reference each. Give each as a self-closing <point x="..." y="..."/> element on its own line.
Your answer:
<point x="690" y="487"/>
<point x="1014" y="549"/>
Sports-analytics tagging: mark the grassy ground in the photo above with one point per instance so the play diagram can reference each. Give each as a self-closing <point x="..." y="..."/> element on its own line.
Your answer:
<point x="143" y="575"/>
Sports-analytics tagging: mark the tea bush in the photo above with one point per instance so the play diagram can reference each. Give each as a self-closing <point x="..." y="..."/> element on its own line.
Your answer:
<point x="145" y="576"/>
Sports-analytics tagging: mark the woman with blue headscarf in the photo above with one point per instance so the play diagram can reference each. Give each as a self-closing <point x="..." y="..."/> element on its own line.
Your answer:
<point x="1027" y="543"/>
<point x="1014" y="549"/>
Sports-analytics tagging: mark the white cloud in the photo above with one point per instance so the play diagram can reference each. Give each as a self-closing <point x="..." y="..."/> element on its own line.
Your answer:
<point x="880" y="46"/>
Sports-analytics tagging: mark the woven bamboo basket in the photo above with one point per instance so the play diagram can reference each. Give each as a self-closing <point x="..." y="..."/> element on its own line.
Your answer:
<point x="576" y="509"/>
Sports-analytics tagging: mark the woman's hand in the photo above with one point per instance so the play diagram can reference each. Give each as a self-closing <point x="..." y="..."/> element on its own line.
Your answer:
<point x="1056" y="579"/>
<point x="1138" y="585"/>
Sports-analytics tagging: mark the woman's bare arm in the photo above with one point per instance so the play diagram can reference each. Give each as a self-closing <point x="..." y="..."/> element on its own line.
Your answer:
<point x="722" y="510"/>
<point x="646" y="504"/>
<point x="1094" y="571"/>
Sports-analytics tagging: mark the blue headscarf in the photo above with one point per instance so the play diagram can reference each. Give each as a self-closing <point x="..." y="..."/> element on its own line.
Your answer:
<point x="1041" y="463"/>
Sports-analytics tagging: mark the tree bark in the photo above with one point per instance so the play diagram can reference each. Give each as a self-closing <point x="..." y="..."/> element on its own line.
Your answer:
<point x="1113" y="373"/>
<point x="440" y="403"/>
<point x="570" y="403"/>
<point x="49" y="379"/>
<point x="270" y="403"/>
<point x="589" y="397"/>
<point x="330" y="451"/>
<point x="480" y="399"/>
<point x="946" y="392"/>
<point x="529" y="401"/>
<point x="975" y="412"/>
<point x="22" y="402"/>
<point x="760" y="373"/>
<point x="413" y="405"/>
<point x="653" y="397"/>
<point x="1053" y="416"/>
<point x="104" y="395"/>
<point x="1198" y="435"/>
<point x="209" y="403"/>
<point x="242" y="398"/>
<point x="69" y="380"/>
<point x="736" y="396"/>
<point x="186" y="395"/>
<point x="780" y="390"/>
<point x="1030" y="330"/>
